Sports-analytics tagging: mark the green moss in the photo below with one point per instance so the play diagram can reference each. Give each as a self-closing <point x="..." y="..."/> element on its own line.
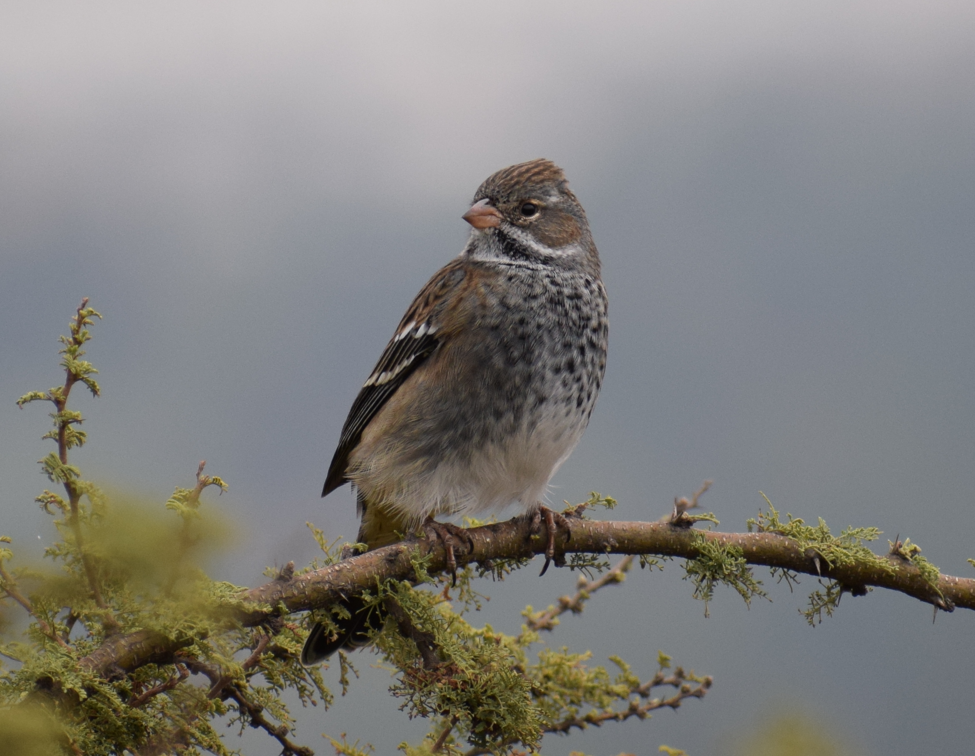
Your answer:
<point x="724" y="565"/>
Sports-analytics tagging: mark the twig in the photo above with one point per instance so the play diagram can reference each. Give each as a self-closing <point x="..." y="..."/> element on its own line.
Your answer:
<point x="635" y="708"/>
<point x="155" y="690"/>
<point x="222" y="686"/>
<point x="254" y="659"/>
<point x="172" y="741"/>
<point x="278" y="732"/>
<point x="444" y="735"/>
<point x="218" y="680"/>
<point x="547" y="620"/>
<point x="10" y="588"/>
<point x="60" y="401"/>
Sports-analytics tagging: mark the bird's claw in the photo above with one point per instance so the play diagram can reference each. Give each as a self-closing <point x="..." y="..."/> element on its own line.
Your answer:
<point x="553" y="522"/>
<point x="449" y="535"/>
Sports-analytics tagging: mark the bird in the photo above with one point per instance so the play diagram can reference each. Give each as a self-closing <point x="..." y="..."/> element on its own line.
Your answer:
<point x="488" y="382"/>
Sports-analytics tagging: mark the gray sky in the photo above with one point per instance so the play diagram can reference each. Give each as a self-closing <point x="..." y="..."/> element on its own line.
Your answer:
<point x="782" y="197"/>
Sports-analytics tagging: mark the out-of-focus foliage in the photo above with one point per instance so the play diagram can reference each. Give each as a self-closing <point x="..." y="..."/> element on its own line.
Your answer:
<point x="794" y="733"/>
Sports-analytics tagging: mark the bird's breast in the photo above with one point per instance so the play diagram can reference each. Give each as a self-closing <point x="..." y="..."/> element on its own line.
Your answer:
<point x="506" y="407"/>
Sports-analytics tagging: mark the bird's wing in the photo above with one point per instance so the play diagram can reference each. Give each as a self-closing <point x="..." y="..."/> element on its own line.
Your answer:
<point x="417" y="337"/>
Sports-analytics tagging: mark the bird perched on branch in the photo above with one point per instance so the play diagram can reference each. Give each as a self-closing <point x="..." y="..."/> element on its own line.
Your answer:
<point x="488" y="382"/>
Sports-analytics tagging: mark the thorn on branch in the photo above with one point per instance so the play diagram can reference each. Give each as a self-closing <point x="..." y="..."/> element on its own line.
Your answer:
<point x="682" y="505"/>
<point x="813" y="556"/>
<point x="287" y="572"/>
<point x="942" y="603"/>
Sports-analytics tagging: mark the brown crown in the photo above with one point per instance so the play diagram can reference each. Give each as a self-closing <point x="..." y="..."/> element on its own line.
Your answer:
<point x="540" y="172"/>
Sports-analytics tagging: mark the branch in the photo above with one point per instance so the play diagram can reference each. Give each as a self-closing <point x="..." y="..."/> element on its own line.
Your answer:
<point x="67" y="437"/>
<point x="9" y="587"/>
<point x="635" y="707"/>
<point x="515" y="539"/>
<point x="140" y="700"/>
<point x="223" y="687"/>
<point x="74" y="371"/>
<point x="278" y="732"/>
<point x="548" y="619"/>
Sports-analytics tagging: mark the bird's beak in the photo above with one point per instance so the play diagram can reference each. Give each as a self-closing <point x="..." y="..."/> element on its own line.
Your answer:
<point x="482" y="215"/>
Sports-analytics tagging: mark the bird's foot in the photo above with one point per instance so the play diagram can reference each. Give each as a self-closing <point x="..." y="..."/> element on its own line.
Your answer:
<point x="553" y="522"/>
<point x="450" y="536"/>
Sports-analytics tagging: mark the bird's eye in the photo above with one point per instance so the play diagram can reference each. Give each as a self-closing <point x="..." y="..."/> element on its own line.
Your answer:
<point x="529" y="210"/>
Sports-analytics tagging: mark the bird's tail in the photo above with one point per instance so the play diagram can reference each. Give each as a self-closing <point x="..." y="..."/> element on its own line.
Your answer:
<point x="348" y="634"/>
<point x="379" y="527"/>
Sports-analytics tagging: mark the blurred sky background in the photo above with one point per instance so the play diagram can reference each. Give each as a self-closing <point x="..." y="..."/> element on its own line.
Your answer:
<point x="782" y="194"/>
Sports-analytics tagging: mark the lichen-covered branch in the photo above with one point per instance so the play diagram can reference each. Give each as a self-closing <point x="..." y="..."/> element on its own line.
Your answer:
<point x="639" y="708"/>
<point x="68" y="435"/>
<point x="854" y="569"/>
<point x="515" y="539"/>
